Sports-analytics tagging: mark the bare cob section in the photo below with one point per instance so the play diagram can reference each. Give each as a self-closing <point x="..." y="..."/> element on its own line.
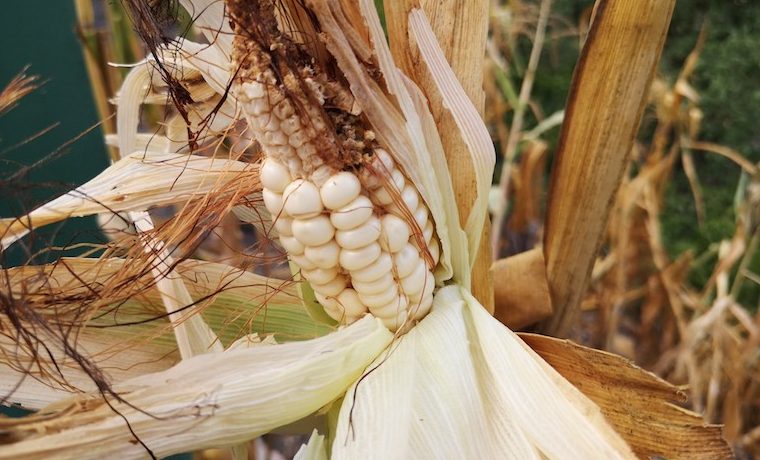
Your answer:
<point x="344" y="211"/>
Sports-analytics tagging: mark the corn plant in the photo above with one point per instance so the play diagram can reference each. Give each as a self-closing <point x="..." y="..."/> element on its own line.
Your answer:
<point x="296" y="118"/>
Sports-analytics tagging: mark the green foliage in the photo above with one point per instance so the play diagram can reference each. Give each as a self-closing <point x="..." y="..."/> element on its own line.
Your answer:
<point x="726" y="79"/>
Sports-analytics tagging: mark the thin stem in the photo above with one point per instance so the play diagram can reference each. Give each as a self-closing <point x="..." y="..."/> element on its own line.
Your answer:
<point x="517" y="124"/>
<point x="746" y="259"/>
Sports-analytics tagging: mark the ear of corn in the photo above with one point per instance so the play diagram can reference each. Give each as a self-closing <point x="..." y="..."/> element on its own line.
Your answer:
<point x="345" y="212"/>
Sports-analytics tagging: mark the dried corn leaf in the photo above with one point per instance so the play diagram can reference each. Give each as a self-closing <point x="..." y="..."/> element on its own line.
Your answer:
<point x="607" y="98"/>
<point x="521" y="292"/>
<point x="638" y="404"/>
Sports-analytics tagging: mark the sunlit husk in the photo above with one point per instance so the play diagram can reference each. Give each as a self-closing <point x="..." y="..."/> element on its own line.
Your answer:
<point x="208" y="400"/>
<point x="467" y="119"/>
<point x="461" y="385"/>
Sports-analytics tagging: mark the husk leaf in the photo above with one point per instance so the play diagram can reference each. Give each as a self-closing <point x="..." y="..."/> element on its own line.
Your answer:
<point x="208" y="400"/>
<point x="130" y="335"/>
<point x="444" y="380"/>
<point x="138" y="182"/>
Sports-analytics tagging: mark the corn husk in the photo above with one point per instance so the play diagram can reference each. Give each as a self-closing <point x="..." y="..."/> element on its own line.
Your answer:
<point x="406" y="401"/>
<point x="129" y="336"/>
<point x="315" y="449"/>
<point x="208" y="400"/>
<point x="140" y="181"/>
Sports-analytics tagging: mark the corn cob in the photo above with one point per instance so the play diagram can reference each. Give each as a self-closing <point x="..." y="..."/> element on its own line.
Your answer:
<point x="344" y="211"/>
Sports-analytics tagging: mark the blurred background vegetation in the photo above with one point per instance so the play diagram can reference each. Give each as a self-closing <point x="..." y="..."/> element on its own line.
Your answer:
<point x="729" y="96"/>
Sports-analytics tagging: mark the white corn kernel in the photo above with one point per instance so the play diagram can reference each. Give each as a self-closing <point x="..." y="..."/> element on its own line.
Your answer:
<point x="302" y="199"/>
<point x="385" y="164"/>
<point x="379" y="299"/>
<point x="382" y="165"/>
<point x="395" y="322"/>
<point x="427" y="289"/>
<point x="392" y="308"/>
<point x="332" y="288"/>
<point x="302" y="262"/>
<point x="320" y="275"/>
<point x="411" y="200"/>
<point x="427" y="231"/>
<point x="395" y="233"/>
<point x="292" y="245"/>
<point x="274" y="175"/>
<point x="375" y="286"/>
<point x="273" y="202"/>
<point x="435" y="250"/>
<point x="283" y="225"/>
<point x="355" y="259"/>
<point x="339" y="190"/>
<point x="406" y="260"/>
<point x="352" y="305"/>
<point x="314" y="231"/>
<point x="421" y="308"/>
<point x="325" y="255"/>
<point x="420" y="215"/>
<point x="415" y="281"/>
<point x="384" y="195"/>
<point x="359" y="236"/>
<point x="382" y="266"/>
<point x="411" y="197"/>
<point x="353" y="214"/>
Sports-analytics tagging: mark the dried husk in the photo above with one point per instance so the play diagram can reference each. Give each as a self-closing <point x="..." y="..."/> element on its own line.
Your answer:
<point x="128" y="335"/>
<point x="138" y="182"/>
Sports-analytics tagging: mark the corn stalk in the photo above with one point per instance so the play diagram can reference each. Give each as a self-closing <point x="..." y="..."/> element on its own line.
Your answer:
<point x="604" y="109"/>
